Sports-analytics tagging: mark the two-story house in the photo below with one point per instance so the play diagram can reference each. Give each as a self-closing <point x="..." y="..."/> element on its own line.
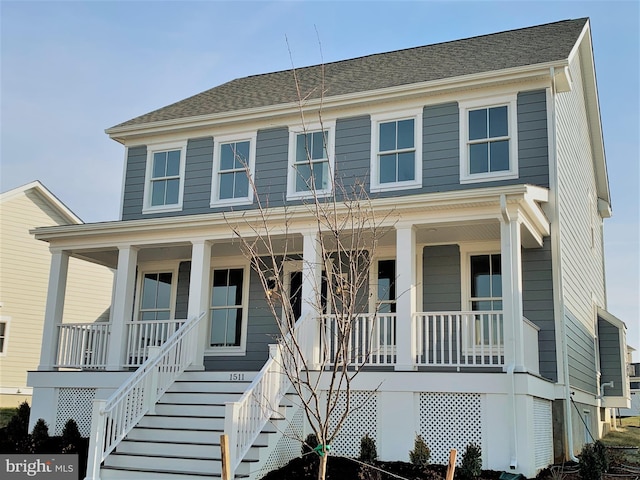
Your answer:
<point x="483" y="158"/>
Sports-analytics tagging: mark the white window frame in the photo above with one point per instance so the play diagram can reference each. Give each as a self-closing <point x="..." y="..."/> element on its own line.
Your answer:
<point x="218" y="141"/>
<point x="414" y="114"/>
<point x="230" y="263"/>
<point x="294" y="130"/>
<point x="511" y="102"/>
<point x="7" y="322"/>
<point x="151" y="150"/>
<point x="466" y="252"/>
<point x="157" y="267"/>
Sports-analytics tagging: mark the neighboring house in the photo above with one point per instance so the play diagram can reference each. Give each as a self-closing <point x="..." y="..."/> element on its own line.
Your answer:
<point x="24" y="276"/>
<point x="487" y="156"/>
<point x="634" y="385"/>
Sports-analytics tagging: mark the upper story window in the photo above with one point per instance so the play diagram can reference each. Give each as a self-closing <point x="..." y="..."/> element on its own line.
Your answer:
<point x="396" y="151"/>
<point x="311" y="160"/>
<point x="233" y="169"/>
<point x="488" y="140"/>
<point x="4" y="330"/>
<point x="164" y="183"/>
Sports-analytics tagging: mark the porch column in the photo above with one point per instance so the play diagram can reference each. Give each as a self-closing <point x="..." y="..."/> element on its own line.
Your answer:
<point x="199" y="295"/>
<point x="311" y="274"/>
<point x="511" y="259"/>
<point x="122" y="305"/>
<point x="405" y="295"/>
<point x="54" y="310"/>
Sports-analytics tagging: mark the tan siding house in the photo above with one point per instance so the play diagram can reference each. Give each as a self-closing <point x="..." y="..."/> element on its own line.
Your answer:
<point x="24" y="274"/>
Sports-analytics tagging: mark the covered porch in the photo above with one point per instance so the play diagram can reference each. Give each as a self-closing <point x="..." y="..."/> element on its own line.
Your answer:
<point x="445" y="286"/>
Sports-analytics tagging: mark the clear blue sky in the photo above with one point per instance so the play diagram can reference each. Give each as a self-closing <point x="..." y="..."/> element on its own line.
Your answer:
<point x="72" y="69"/>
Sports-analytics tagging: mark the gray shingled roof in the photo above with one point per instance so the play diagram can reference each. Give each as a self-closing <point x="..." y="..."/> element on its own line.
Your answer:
<point x="515" y="48"/>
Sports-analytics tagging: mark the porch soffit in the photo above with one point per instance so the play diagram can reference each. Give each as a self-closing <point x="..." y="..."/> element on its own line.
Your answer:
<point x="457" y="211"/>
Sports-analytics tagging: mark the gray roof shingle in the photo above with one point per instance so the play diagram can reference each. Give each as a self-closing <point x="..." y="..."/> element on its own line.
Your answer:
<point x="515" y="48"/>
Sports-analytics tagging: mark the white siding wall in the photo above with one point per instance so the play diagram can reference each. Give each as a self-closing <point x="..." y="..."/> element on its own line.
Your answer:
<point x="582" y="258"/>
<point x="24" y="274"/>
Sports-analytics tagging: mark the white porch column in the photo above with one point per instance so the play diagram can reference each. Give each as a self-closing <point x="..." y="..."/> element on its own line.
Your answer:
<point x="122" y="305"/>
<point x="311" y="278"/>
<point x="55" y="308"/>
<point x="199" y="283"/>
<point x="405" y="295"/>
<point x="511" y="259"/>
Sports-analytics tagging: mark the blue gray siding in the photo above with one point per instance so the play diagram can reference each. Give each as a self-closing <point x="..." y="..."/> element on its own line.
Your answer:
<point x="440" y="166"/>
<point x="441" y="278"/>
<point x="537" y="298"/>
<point x="611" y="361"/>
<point x="581" y="353"/>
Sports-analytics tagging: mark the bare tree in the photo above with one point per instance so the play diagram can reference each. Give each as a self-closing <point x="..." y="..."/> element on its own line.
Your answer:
<point x="347" y="323"/>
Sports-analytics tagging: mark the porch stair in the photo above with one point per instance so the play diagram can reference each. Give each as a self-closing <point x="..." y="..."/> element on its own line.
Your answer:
<point x="182" y="439"/>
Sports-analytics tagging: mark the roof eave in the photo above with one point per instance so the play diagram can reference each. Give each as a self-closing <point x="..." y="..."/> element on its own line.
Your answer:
<point x="122" y="133"/>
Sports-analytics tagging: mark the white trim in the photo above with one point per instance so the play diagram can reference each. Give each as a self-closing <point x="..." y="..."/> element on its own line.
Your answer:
<point x="16" y="390"/>
<point x="157" y="267"/>
<point x="218" y="141"/>
<point x="44" y="192"/>
<point x="466" y="251"/>
<point x="7" y="322"/>
<point x="511" y="102"/>
<point x="163" y="147"/>
<point x="224" y="264"/>
<point x="414" y="114"/>
<point x="294" y="130"/>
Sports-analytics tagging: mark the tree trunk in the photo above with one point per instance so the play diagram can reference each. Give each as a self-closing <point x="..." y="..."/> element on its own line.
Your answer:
<point x="322" y="466"/>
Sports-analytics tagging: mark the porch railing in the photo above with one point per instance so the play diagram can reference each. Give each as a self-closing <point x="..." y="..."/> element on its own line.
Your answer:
<point x="372" y="342"/>
<point x="459" y="339"/>
<point x="82" y="345"/>
<point x="113" y="418"/>
<point x="147" y="333"/>
<point x="245" y="419"/>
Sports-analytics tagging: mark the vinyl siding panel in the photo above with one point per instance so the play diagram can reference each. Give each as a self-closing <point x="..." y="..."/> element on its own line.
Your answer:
<point x="134" y="182"/>
<point x="197" y="182"/>
<point x="537" y="298"/>
<point x="441" y="278"/>
<point x="182" y="294"/>
<point x="611" y="362"/>
<point x="353" y="151"/>
<point x="272" y="148"/>
<point x="24" y="277"/>
<point x="582" y="262"/>
<point x="581" y="353"/>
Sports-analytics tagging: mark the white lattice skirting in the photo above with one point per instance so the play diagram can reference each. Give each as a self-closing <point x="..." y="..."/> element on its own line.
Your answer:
<point x="75" y="403"/>
<point x="288" y="446"/>
<point x="362" y="420"/>
<point x="450" y="420"/>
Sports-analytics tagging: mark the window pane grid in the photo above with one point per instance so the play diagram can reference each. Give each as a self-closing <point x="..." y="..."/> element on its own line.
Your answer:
<point x="488" y="140"/>
<point x="311" y="162"/>
<point x="165" y="178"/>
<point x="226" y="308"/>
<point x="396" y="151"/>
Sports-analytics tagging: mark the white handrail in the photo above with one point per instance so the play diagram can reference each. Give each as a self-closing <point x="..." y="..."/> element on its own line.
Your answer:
<point x="114" y="418"/>
<point x="142" y="334"/>
<point x="459" y="339"/>
<point x="245" y="419"/>
<point x="82" y="345"/>
<point x="372" y="340"/>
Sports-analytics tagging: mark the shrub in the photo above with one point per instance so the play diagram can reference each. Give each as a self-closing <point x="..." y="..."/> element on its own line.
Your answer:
<point x="309" y="443"/>
<point x="40" y="437"/>
<point x="471" y="466"/>
<point x="593" y="461"/>
<point x="368" y="451"/>
<point x="71" y="437"/>
<point x="420" y="455"/>
<point x="17" y="430"/>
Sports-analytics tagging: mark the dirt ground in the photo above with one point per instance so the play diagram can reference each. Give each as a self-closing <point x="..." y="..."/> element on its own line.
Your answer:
<point x="340" y="468"/>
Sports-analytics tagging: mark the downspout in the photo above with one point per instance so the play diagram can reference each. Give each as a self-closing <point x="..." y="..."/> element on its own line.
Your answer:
<point x="513" y="464"/>
<point x="557" y="248"/>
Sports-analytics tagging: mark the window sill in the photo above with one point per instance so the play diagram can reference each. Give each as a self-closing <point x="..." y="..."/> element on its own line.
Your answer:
<point x="224" y="351"/>
<point x="162" y="209"/>
<point x="390" y="187"/>
<point x="483" y="177"/>
<point x="309" y="195"/>
<point x="231" y="203"/>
